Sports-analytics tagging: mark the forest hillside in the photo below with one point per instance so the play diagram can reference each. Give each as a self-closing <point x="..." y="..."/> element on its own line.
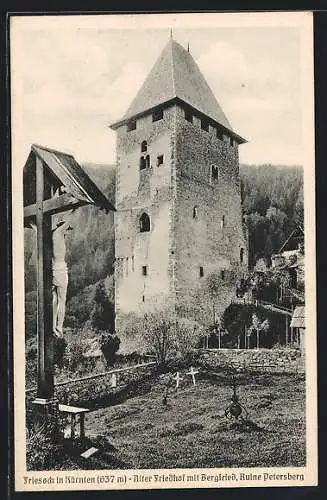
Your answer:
<point x="272" y="205"/>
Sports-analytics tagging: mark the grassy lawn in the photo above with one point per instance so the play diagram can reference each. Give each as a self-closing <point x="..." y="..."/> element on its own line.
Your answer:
<point x="192" y="431"/>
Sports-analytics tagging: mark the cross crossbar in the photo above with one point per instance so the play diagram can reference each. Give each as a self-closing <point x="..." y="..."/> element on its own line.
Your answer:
<point x="53" y="206"/>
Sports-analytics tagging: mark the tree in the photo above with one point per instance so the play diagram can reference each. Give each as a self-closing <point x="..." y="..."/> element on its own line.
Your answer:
<point x="102" y="317"/>
<point x="170" y="337"/>
<point x="257" y="327"/>
<point x="109" y="346"/>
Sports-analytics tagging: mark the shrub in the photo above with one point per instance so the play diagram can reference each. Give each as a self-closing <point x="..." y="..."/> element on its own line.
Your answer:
<point x="169" y="337"/>
<point x="41" y="452"/>
<point x="59" y="351"/>
<point x="75" y="356"/>
<point x="102" y="317"/>
<point x="109" y="346"/>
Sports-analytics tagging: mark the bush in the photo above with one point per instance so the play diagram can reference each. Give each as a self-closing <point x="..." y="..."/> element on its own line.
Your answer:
<point x="75" y="358"/>
<point x="41" y="452"/>
<point x="169" y="337"/>
<point x="103" y="314"/>
<point x="109" y="346"/>
<point x="59" y="351"/>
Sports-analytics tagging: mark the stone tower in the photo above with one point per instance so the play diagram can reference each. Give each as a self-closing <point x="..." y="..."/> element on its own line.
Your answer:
<point x="179" y="237"/>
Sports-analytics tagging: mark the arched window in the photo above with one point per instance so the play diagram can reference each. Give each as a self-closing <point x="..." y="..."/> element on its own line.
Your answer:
<point x="222" y="222"/>
<point x="144" y="223"/>
<point x="147" y="161"/>
<point x="195" y="212"/>
<point x="144" y="147"/>
<point x="142" y="163"/>
<point x="241" y="255"/>
<point x="214" y="173"/>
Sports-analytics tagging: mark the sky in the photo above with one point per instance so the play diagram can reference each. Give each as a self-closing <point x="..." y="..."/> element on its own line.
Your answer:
<point x="72" y="77"/>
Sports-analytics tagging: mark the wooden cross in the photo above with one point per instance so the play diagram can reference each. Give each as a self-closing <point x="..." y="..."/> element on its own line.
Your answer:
<point x="178" y="379"/>
<point x="45" y="171"/>
<point x="192" y="372"/>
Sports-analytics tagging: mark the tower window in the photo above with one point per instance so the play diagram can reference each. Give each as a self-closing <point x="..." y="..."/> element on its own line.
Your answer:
<point x="160" y="160"/>
<point x="205" y="125"/>
<point x="201" y="272"/>
<point x="188" y="115"/>
<point x="219" y="134"/>
<point x="131" y="125"/>
<point x="144" y="270"/>
<point x="144" y="223"/>
<point x="231" y="141"/>
<point x="144" y="162"/>
<point x="214" y="173"/>
<point x="157" y="115"/>
<point x="222" y="274"/>
<point x="144" y="147"/>
<point x="195" y="212"/>
<point x="241" y="255"/>
<point x="222" y="222"/>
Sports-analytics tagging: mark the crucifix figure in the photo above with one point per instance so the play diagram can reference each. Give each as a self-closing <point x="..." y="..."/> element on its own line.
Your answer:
<point x="59" y="274"/>
<point x="54" y="183"/>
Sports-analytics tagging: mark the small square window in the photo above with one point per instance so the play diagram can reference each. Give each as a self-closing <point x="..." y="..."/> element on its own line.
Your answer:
<point x="144" y="270"/>
<point x="131" y="126"/>
<point x="157" y="115"/>
<point x="160" y="160"/>
<point x="214" y="173"/>
<point x="188" y="115"/>
<point x="201" y="272"/>
<point x="205" y="125"/>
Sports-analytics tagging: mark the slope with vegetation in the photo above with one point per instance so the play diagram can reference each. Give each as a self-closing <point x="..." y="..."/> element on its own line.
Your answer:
<point x="272" y="199"/>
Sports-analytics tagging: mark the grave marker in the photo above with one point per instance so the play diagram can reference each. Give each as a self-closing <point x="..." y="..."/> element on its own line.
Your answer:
<point x="113" y="381"/>
<point x="177" y="377"/>
<point x="88" y="453"/>
<point x="193" y="372"/>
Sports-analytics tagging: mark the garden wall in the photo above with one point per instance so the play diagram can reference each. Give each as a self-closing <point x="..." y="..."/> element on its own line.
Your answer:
<point x="284" y="360"/>
<point x="97" y="391"/>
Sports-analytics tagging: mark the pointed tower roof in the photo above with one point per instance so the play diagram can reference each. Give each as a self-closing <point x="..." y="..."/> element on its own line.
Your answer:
<point x="176" y="75"/>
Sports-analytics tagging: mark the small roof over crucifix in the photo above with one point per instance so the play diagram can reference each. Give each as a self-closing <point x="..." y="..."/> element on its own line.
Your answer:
<point x="61" y="171"/>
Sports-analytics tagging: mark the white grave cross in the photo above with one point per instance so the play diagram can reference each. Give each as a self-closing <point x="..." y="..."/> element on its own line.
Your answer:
<point x="113" y="381"/>
<point x="192" y="372"/>
<point x="178" y="379"/>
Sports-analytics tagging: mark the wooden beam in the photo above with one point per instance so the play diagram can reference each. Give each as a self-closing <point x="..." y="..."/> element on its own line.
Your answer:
<point x="53" y="206"/>
<point x="44" y="290"/>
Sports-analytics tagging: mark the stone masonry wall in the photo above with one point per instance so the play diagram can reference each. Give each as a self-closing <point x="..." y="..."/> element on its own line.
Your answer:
<point x="213" y="240"/>
<point x="178" y="244"/>
<point x="150" y="190"/>
<point x="263" y="360"/>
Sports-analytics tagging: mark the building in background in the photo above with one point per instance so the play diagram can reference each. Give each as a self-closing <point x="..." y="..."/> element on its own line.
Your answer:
<point x="290" y="258"/>
<point x="179" y="237"/>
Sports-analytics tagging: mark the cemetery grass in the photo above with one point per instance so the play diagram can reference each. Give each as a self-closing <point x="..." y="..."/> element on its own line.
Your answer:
<point x="192" y="430"/>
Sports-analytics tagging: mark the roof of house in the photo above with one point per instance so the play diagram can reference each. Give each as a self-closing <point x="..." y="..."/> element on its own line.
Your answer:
<point x="298" y="318"/>
<point x="296" y="235"/>
<point x="69" y="173"/>
<point x="176" y="75"/>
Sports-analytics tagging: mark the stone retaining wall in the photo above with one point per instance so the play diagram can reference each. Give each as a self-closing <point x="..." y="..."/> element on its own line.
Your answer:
<point x="97" y="391"/>
<point x="283" y="360"/>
